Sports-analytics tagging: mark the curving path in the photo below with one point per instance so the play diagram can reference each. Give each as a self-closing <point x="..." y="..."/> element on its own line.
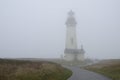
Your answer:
<point x="81" y="74"/>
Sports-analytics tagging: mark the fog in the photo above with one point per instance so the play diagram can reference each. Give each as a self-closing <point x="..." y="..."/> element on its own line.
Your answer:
<point x="36" y="28"/>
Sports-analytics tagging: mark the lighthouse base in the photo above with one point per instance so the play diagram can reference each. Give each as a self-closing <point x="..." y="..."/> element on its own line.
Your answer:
<point x="73" y="55"/>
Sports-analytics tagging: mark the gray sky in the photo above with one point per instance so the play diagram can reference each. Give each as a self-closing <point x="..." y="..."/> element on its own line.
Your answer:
<point x="36" y="28"/>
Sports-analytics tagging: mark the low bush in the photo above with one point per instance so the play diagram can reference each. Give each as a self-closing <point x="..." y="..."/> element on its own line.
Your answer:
<point x="28" y="70"/>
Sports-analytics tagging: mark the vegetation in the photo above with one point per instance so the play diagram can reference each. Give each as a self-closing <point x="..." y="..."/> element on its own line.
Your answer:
<point x="28" y="70"/>
<point x="110" y="68"/>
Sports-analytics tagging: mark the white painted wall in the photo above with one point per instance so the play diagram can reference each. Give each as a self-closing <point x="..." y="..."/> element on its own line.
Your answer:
<point x="69" y="57"/>
<point x="80" y="57"/>
<point x="71" y="34"/>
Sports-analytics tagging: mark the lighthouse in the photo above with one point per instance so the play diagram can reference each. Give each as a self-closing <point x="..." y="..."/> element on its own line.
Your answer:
<point x="71" y="52"/>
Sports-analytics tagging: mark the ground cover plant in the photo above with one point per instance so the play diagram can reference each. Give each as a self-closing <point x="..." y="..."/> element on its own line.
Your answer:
<point x="109" y="68"/>
<point x="28" y="70"/>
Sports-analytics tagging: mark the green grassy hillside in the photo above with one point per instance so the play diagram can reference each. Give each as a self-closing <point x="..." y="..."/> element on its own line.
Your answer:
<point x="110" y="68"/>
<point x="28" y="70"/>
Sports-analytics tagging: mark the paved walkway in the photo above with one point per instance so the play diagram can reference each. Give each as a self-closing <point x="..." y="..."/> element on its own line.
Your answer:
<point x="81" y="74"/>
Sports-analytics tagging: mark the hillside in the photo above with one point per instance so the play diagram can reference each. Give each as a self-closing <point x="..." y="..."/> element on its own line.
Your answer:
<point x="28" y="70"/>
<point x="110" y="68"/>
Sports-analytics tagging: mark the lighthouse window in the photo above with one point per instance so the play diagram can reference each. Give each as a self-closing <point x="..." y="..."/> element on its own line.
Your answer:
<point x="72" y="41"/>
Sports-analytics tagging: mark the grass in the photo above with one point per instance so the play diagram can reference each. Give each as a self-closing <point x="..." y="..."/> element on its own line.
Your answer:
<point x="28" y="70"/>
<point x="109" y="68"/>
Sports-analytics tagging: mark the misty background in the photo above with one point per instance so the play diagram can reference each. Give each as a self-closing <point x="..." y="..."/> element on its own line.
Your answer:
<point x="36" y="28"/>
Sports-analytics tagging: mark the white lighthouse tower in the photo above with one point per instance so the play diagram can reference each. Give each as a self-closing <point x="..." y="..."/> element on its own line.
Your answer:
<point x="71" y="52"/>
